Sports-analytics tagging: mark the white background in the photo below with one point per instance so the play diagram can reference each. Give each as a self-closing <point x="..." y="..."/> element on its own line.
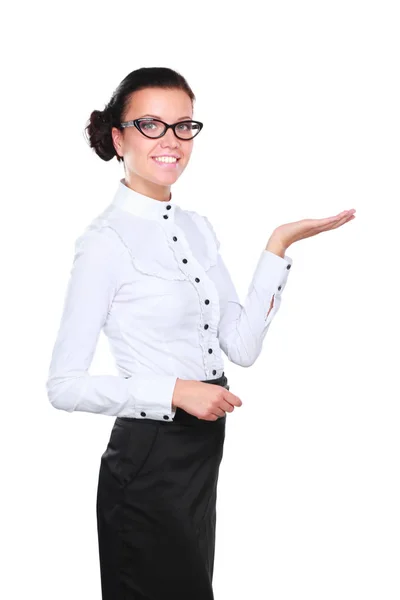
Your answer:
<point x="300" y="104"/>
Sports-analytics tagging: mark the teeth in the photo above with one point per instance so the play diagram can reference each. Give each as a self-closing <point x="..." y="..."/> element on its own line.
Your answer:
<point x="166" y="159"/>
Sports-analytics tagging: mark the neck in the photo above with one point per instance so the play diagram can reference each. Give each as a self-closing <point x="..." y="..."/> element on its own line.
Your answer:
<point x="148" y="188"/>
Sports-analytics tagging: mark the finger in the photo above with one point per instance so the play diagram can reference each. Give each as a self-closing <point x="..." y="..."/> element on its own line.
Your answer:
<point x="342" y="215"/>
<point x="342" y="223"/>
<point x="233" y="399"/>
<point x="218" y="412"/>
<point x="328" y="226"/>
<point x="339" y="223"/>
<point x="226" y="406"/>
<point x="348" y="212"/>
<point x="319" y="224"/>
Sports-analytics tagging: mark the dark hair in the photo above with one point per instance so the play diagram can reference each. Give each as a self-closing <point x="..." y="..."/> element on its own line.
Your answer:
<point x="101" y="122"/>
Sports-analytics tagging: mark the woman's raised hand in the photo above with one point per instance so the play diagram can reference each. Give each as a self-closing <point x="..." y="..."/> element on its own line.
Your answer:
<point x="285" y="235"/>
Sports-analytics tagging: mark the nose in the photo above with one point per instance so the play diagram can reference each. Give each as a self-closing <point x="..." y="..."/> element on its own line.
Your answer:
<point x="170" y="138"/>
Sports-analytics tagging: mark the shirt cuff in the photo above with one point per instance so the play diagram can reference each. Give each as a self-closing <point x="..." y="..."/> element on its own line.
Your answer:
<point x="271" y="273"/>
<point x="151" y="397"/>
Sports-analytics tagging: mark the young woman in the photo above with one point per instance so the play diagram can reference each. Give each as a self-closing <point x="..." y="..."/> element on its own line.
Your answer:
<point x="149" y="273"/>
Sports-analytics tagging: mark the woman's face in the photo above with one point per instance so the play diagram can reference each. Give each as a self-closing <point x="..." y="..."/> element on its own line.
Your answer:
<point x="138" y="150"/>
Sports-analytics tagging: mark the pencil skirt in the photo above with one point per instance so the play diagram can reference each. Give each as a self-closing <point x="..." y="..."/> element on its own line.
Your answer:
<point x="156" y="507"/>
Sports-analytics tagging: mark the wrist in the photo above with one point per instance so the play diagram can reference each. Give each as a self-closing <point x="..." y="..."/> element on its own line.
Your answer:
<point x="276" y="246"/>
<point x="177" y="393"/>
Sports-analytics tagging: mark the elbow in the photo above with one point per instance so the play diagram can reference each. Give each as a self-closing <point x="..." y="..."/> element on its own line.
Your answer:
<point x="62" y="393"/>
<point x="249" y="361"/>
<point x="240" y="355"/>
<point x="240" y="360"/>
<point x="245" y="360"/>
<point x="241" y="347"/>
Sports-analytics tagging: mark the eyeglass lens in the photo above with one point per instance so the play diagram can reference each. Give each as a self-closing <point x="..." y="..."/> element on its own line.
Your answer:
<point x="154" y="128"/>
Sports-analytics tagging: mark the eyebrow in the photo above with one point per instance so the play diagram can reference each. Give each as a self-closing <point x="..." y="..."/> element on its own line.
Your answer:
<point x="157" y="117"/>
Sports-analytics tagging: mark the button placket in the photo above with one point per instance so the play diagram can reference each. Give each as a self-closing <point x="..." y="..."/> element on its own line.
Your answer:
<point x="168" y="207"/>
<point x="207" y="289"/>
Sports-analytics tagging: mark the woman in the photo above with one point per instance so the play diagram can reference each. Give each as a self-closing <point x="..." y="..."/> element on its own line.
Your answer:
<point x="150" y="274"/>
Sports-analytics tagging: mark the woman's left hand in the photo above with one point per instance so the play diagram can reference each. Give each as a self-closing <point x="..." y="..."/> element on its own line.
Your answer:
<point x="289" y="233"/>
<point x="285" y="235"/>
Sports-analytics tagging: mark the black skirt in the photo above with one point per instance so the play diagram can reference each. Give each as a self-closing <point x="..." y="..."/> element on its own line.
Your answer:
<point x="156" y="507"/>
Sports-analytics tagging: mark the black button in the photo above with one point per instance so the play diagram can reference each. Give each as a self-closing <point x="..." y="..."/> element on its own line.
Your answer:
<point x="143" y="414"/>
<point x="206" y="326"/>
<point x="210" y="351"/>
<point x="288" y="266"/>
<point x="207" y="301"/>
<point x="166" y="417"/>
<point x="197" y="280"/>
<point x="165" y="216"/>
<point x="280" y="287"/>
<point x="214" y="372"/>
<point x="168" y="206"/>
<point x="174" y="238"/>
<point x="184" y="260"/>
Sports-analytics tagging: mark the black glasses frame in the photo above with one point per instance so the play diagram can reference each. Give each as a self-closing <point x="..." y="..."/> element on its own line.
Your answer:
<point x="136" y="123"/>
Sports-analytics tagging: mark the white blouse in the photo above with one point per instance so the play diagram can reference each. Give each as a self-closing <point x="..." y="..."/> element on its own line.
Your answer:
<point x="150" y="275"/>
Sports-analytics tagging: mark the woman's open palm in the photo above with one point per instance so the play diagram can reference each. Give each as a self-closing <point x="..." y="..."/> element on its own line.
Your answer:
<point x="288" y="233"/>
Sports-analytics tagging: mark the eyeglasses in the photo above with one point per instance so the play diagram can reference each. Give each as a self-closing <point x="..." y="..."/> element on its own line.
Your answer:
<point x="154" y="128"/>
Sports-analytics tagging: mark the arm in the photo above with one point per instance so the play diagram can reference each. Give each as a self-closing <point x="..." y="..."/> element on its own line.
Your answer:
<point x="243" y="327"/>
<point x="92" y="286"/>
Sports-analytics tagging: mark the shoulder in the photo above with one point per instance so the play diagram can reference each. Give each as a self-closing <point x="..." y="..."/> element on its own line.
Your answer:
<point x="99" y="242"/>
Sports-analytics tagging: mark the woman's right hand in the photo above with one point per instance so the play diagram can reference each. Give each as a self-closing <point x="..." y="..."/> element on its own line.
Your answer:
<point x="204" y="400"/>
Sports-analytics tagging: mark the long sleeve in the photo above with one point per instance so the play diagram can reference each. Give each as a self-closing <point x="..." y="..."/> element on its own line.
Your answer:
<point x="243" y="327"/>
<point x="91" y="288"/>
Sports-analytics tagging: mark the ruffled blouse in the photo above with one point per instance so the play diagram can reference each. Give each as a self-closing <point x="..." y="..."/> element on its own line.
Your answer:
<point x="150" y="275"/>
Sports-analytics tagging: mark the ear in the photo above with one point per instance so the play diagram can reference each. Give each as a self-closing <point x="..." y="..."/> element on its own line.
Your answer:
<point x="117" y="138"/>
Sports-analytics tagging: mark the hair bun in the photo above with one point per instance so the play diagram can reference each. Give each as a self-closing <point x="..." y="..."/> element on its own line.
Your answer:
<point x="106" y="116"/>
<point x="99" y="133"/>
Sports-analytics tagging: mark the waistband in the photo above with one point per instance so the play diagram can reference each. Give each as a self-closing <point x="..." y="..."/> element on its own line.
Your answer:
<point x="180" y="414"/>
<point x="223" y="380"/>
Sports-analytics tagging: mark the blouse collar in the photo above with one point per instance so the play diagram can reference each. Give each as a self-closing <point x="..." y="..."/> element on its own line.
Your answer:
<point x="141" y="205"/>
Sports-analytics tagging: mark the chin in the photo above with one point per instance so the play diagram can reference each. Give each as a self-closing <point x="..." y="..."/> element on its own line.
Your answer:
<point x="166" y="178"/>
